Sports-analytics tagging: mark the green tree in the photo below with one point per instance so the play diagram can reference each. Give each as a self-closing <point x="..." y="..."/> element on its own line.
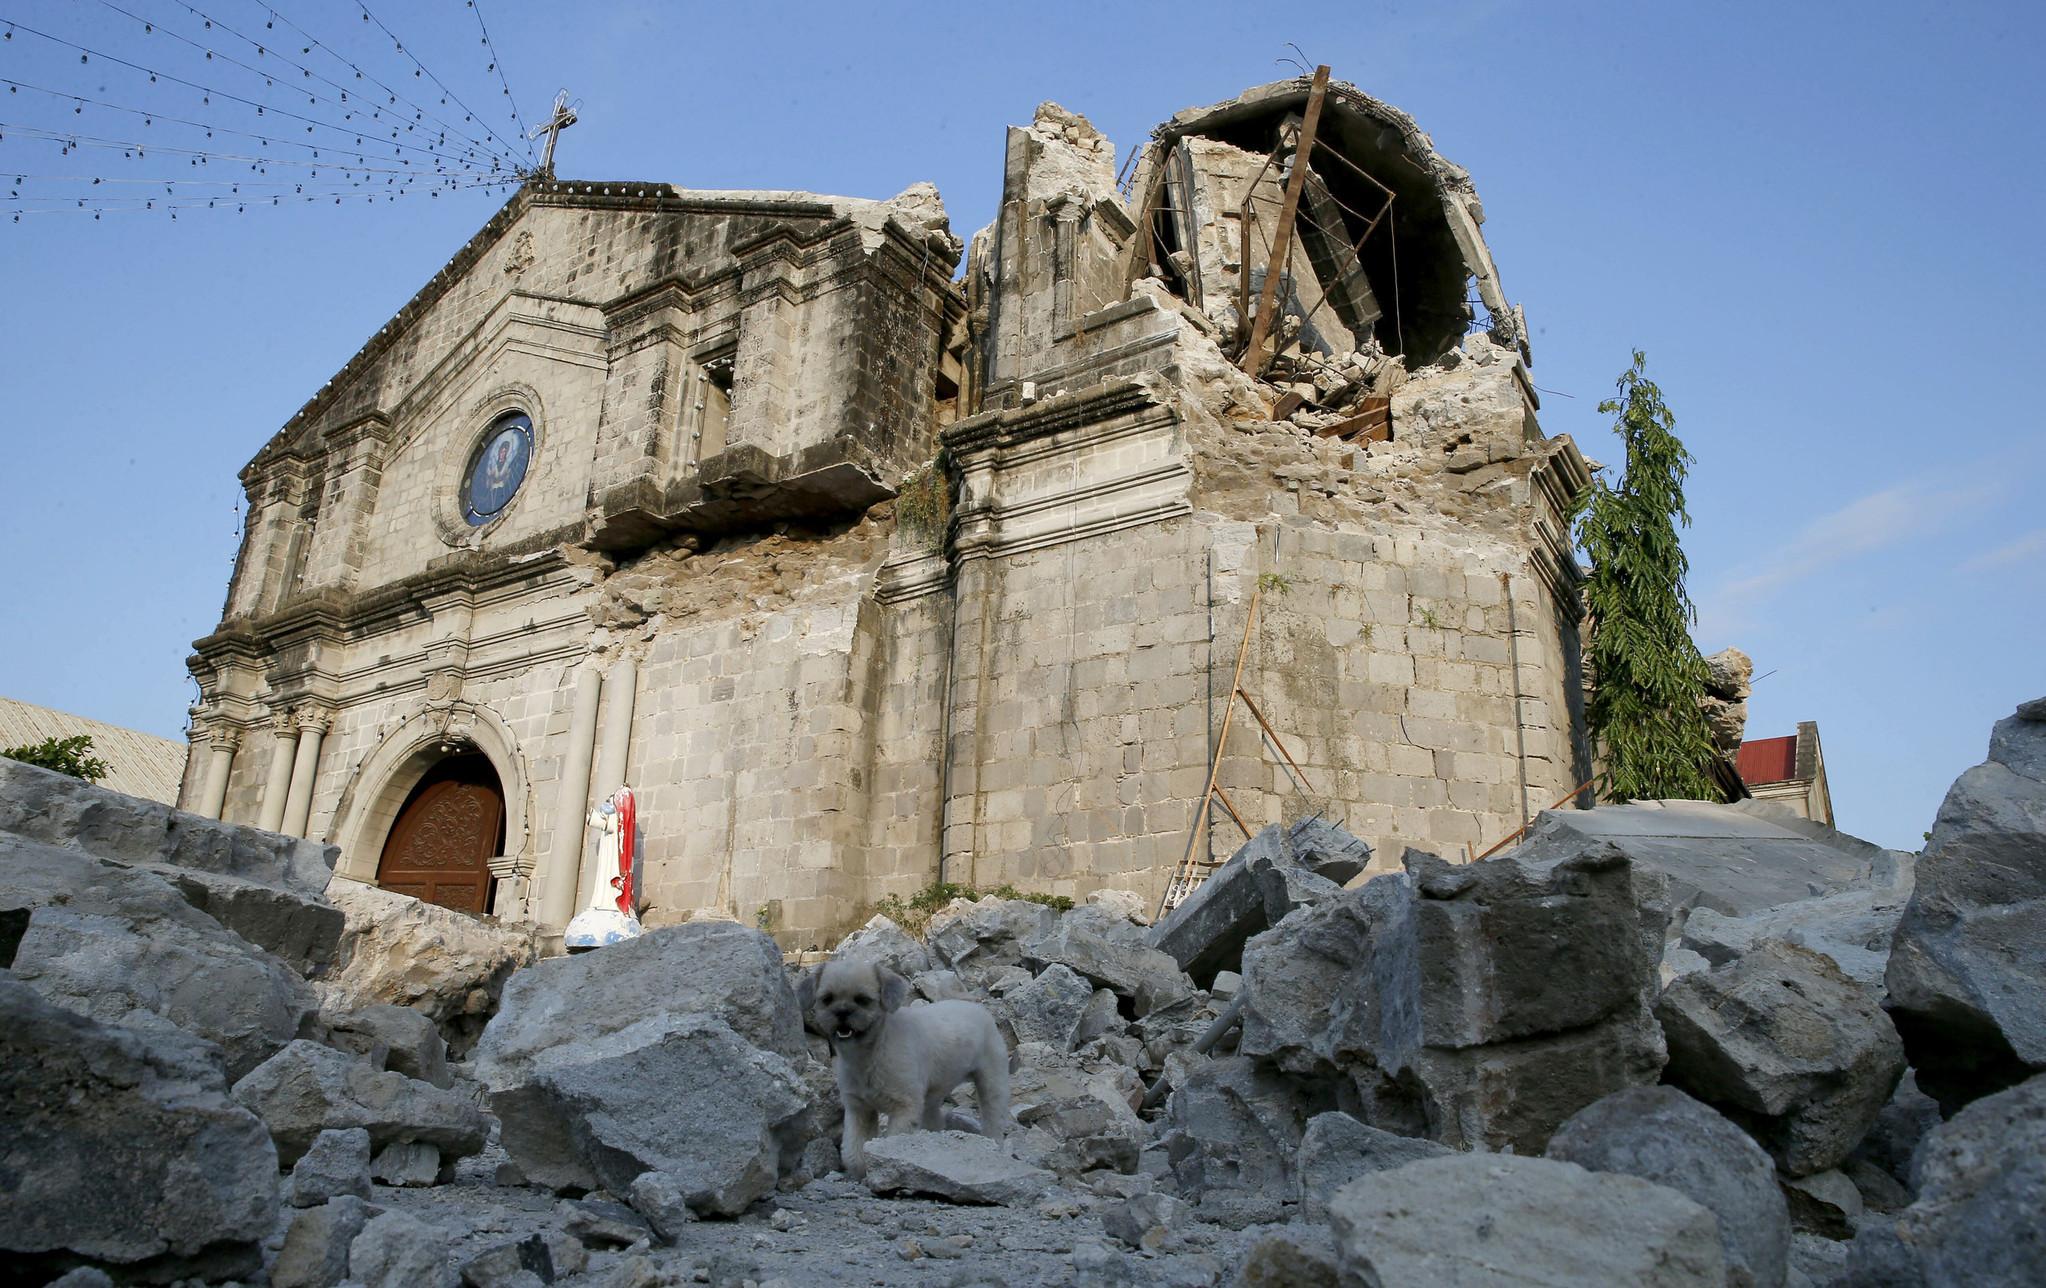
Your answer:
<point x="1646" y="675"/>
<point x="71" y="756"/>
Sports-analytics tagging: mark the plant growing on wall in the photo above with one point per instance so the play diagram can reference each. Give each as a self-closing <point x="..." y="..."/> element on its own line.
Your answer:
<point x="1647" y="678"/>
<point x="71" y="756"/>
<point x="923" y="502"/>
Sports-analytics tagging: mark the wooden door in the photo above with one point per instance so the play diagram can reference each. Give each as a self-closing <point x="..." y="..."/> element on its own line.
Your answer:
<point x="440" y="846"/>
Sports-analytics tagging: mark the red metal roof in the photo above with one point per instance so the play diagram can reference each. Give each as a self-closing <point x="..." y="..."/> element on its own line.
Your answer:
<point x="1767" y="760"/>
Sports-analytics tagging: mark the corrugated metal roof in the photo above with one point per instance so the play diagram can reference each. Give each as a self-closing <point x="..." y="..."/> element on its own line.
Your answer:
<point x="1767" y="760"/>
<point x="140" y="764"/>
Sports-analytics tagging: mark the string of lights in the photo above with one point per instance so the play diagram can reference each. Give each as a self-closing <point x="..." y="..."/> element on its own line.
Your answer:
<point x="419" y="68"/>
<point x="263" y="50"/>
<point x="131" y="149"/>
<point x="468" y="116"/>
<point x="427" y="153"/>
<point x="211" y="129"/>
<point x="497" y="65"/>
<point x="208" y="94"/>
<point x="238" y="204"/>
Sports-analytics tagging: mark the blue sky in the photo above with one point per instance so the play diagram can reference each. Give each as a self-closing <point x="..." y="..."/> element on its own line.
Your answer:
<point x="1820" y="221"/>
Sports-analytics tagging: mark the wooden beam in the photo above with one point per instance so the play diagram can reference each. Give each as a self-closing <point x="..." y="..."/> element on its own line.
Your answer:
<point x="1282" y="235"/>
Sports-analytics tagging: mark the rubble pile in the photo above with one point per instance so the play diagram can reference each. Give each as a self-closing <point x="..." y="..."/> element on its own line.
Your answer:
<point x="1299" y="1075"/>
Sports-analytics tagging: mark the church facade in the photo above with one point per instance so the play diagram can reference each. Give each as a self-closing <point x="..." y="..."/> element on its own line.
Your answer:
<point x="863" y="577"/>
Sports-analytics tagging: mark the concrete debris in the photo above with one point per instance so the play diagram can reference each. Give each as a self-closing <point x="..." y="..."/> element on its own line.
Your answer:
<point x="1274" y="872"/>
<point x="977" y="939"/>
<point x="1299" y="1255"/>
<point x="447" y="965"/>
<point x="545" y="1257"/>
<point x="1145" y="1221"/>
<point x="1110" y="951"/>
<point x="1967" y="974"/>
<point x="1498" y="1219"/>
<point x="123" y="945"/>
<point x="1981" y="1188"/>
<point x="1336" y="1149"/>
<point x="398" y="1250"/>
<point x="881" y="940"/>
<point x="397" y="1038"/>
<point x="307" y="1089"/>
<point x="38" y="804"/>
<point x="335" y="1164"/>
<point x="1854" y="928"/>
<point x="315" y="1251"/>
<point x="683" y="1095"/>
<point x="956" y="1165"/>
<point x="1662" y="1135"/>
<point x="1716" y="856"/>
<point x="556" y="1010"/>
<point x="1729" y="677"/>
<point x="1050" y="1007"/>
<point x="1824" y="1203"/>
<point x="406" y="1162"/>
<point x="1234" y="1126"/>
<point x="663" y="1199"/>
<point x="1788" y="1046"/>
<point x="600" y="1223"/>
<point x="121" y="1149"/>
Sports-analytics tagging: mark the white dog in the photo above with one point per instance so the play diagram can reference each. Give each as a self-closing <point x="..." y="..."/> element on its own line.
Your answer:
<point x="902" y="1061"/>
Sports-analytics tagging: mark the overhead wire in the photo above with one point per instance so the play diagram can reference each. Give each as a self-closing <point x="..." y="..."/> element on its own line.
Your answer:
<point x="469" y="113"/>
<point x="497" y="65"/>
<point x="211" y="129"/>
<point x="209" y="93"/>
<point x="264" y="50"/>
<point x="73" y="139"/>
<point x="420" y="68"/>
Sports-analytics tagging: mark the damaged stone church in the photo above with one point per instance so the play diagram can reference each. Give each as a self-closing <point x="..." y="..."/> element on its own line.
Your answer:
<point x="865" y="576"/>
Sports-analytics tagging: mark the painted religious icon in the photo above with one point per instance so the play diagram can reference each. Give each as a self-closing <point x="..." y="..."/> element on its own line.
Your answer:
<point x="498" y="468"/>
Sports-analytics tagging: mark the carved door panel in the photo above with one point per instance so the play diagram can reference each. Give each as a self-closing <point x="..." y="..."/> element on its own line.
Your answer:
<point x="440" y="847"/>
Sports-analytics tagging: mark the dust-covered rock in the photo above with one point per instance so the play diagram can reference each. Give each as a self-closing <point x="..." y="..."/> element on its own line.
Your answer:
<point x="955" y="1165"/>
<point x="1789" y="1047"/>
<point x="308" y="1088"/>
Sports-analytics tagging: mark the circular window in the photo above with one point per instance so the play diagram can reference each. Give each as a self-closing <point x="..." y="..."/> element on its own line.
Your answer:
<point x="497" y="468"/>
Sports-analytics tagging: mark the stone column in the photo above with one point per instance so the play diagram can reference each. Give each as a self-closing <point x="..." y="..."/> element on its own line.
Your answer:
<point x="298" y="802"/>
<point x="619" y="686"/>
<point x="571" y="802"/>
<point x="283" y="744"/>
<point x="212" y="800"/>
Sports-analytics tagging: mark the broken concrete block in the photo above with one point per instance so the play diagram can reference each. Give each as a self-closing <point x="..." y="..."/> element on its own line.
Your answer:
<point x="336" y="1163"/>
<point x="398" y="1038"/>
<point x="881" y="940"/>
<point x="1337" y="1149"/>
<point x="1299" y="1255"/>
<point x="664" y="1201"/>
<point x="1145" y="1221"/>
<point x="449" y="966"/>
<point x="953" y="1165"/>
<point x="406" y="1162"/>
<point x="1789" y="1047"/>
<point x="978" y="939"/>
<point x="600" y="1223"/>
<point x="545" y="1256"/>
<point x="556" y="1008"/>
<point x="1497" y="1218"/>
<point x="121" y="1148"/>
<point x="1967" y="972"/>
<point x="1272" y="873"/>
<point x="1050" y="1007"/>
<point x="123" y="945"/>
<point x="1233" y="1126"/>
<point x="683" y="1095"/>
<point x="1662" y="1135"/>
<point x="398" y="1250"/>
<point x="1981" y="1187"/>
<point x="1111" y="952"/>
<point x="1854" y="928"/>
<point x="315" y="1251"/>
<point x="1127" y="904"/>
<point x="307" y="1088"/>
<point x="1824" y="1203"/>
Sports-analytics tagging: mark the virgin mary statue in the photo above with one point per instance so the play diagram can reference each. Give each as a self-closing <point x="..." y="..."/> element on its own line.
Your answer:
<point x="613" y="914"/>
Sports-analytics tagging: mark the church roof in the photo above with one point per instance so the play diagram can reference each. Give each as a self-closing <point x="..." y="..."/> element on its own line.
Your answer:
<point x="139" y="764"/>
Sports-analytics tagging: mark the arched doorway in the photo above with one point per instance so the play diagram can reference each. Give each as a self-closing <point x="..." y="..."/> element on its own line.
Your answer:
<point x="445" y="835"/>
